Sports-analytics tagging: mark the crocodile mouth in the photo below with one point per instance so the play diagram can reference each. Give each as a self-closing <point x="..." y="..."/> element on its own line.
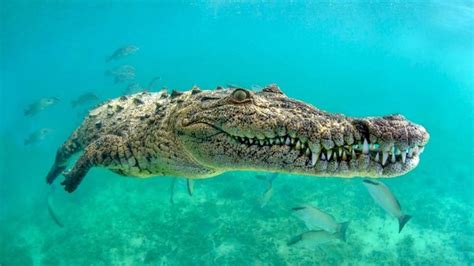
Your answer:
<point x="364" y="158"/>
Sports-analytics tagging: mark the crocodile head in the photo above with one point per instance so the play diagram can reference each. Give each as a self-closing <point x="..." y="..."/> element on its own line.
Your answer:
<point x="238" y="129"/>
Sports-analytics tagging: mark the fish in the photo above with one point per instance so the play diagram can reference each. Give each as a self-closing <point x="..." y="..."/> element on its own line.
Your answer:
<point x="152" y="83"/>
<point x="314" y="239"/>
<point x="133" y="88"/>
<point x="122" y="73"/>
<point x="40" y="105"/>
<point x="268" y="193"/>
<point x="316" y="219"/>
<point x="123" y="52"/>
<point x="51" y="211"/>
<point x="86" y="98"/>
<point x="37" y="136"/>
<point x="385" y="199"/>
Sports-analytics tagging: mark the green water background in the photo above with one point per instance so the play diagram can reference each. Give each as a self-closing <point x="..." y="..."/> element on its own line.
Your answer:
<point x="356" y="58"/>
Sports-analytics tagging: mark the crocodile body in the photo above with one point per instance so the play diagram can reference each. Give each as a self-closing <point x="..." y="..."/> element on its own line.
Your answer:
<point x="202" y="133"/>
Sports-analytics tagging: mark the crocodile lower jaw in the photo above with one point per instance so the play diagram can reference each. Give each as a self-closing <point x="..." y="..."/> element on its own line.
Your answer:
<point x="359" y="159"/>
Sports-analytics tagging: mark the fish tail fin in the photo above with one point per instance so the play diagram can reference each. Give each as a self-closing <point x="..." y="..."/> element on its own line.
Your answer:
<point x="402" y="220"/>
<point x="295" y="240"/>
<point x="341" y="234"/>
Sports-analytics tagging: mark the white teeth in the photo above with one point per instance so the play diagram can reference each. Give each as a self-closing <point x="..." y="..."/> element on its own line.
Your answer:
<point x="365" y="147"/>
<point x="251" y="141"/>
<point x="292" y="141"/>
<point x="329" y="152"/>
<point x="287" y="141"/>
<point x="384" y="157"/>
<point x="277" y="141"/>
<point x="314" y="158"/>
<point x="397" y="151"/>
<point x="344" y="157"/>
<point x="421" y="150"/>
<point x="404" y="156"/>
<point x="410" y="152"/>
<point x="282" y="140"/>
<point x="270" y="141"/>
<point x="323" y="157"/>
<point x="392" y="158"/>
<point x="353" y="154"/>
<point x="307" y="152"/>
<point x="340" y="151"/>
<point x="260" y="142"/>
<point x="392" y="149"/>
<point x="377" y="157"/>
<point x="298" y="145"/>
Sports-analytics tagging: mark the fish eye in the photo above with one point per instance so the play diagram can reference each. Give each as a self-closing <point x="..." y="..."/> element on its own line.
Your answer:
<point x="240" y="95"/>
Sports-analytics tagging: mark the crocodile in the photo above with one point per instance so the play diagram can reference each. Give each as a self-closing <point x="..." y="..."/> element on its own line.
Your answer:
<point x="202" y="133"/>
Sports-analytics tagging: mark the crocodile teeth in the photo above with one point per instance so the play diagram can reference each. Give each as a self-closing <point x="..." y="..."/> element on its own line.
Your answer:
<point x="365" y="147"/>
<point x="314" y="158"/>
<point x="377" y="157"/>
<point x="260" y="142"/>
<point x="270" y="141"/>
<point x="251" y="141"/>
<point x="340" y="151"/>
<point x="287" y="142"/>
<point x="307" y="152"/>
<point x="404" y="156"/>
<point x="292" y="141"/>
<point x="298" y="145"/>
<point x="392" y="159"/>
<point x="323" y="157"/>
<point x="277" y="141"/>
<point x="410" y="152"/>
<point x="282" y="140"/>
<point x="344" y="155"/>
<point x="329" y="152"/>
<point x="353" y="154"/>
<point x="384" y="157"/>
<point x="422" y="149"/>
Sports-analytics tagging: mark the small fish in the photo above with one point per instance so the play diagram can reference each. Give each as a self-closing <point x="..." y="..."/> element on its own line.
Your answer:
<point x="122" y="73"/>
<point x="40" y="105"/>
<point x="51" y="211"/>
<point x="86" y="98"/>
<point x="316" y="219"/>
<point x="132" y="88"/>
<point x="152" y="83"/>
<point x="314" y="239"/>
<point x="268" y="193"/>
<point x="37" y="136"/>
<point x="122" y="52"/>
<point x="385" y="199"/>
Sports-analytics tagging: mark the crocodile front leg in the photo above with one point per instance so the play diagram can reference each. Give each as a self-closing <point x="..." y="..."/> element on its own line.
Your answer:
<point x="104" y="152"/>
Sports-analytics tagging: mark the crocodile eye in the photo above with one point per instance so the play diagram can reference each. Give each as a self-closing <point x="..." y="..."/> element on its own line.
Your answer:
<point x="240" y="95"/>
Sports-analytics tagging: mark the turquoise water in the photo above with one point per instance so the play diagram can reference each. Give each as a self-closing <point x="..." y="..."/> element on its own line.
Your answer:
<point x="356" y="58"/>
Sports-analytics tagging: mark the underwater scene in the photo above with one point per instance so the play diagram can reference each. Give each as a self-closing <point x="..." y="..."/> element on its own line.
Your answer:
<point x="236" y="132"/>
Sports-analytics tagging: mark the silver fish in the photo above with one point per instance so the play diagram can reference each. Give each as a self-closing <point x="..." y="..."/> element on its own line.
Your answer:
<point x="122" y="52"/>
<point x="122" y="73"/>
<point x="268" y="193"/>
<point x="37" y="136"/>
<point x="316" y="219"/>
<point x="314" y="239"/>
<point x="86" y="98"/>
<point x="385" y="199"/>
<point x="133" y="88"/>
<point x="40" y="105"/>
